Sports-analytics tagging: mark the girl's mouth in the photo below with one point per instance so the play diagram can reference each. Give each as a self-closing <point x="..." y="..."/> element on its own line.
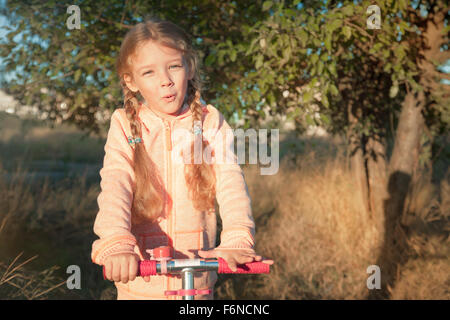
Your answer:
<point x="169" y="98"/>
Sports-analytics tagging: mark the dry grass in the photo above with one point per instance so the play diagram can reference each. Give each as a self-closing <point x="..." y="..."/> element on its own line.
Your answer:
<point x="53" y="223"/>
<point x="320" y="239"/>
<point x="25" y="140"/>
<point x="18" y="281"/>
<point x="426" y="274"/>
<point x="310" y="222"/>
<point x="308" y="219"/>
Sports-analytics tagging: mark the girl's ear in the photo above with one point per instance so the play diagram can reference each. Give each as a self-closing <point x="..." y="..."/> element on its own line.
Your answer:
<point x="190" y="71"/>
<point x="129" y="81"/>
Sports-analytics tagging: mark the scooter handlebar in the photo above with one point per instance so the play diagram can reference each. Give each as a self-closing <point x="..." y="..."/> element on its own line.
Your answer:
<point x="251" y="268"/>
<point x="148" y="268"/>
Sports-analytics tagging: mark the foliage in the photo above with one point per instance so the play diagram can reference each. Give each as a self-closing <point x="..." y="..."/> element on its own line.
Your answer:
<point x="76" y="67"/>
<point x="274" y="53"/>
<point x="330" y="49"/>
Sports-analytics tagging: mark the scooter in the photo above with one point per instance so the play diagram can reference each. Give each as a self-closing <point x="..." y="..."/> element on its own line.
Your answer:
<point x="161" y="262"/>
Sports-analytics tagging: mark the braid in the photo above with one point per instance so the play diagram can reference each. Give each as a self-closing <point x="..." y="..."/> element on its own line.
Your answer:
<point x="200" y="178"/>
<point x="148" y="200"/>
<point x="196" y="107"/>
<point x="131" y="105"/>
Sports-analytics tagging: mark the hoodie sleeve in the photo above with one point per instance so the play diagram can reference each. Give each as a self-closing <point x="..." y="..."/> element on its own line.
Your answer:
<point x="112" y="224"/>
<point x="238" y="226"/>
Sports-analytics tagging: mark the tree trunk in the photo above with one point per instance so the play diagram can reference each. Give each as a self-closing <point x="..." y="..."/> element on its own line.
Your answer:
<point x="357" y="163"/>
<point x="377" y="172"/>
<point x="401" y="167"/>
<point x="405" y="154"/>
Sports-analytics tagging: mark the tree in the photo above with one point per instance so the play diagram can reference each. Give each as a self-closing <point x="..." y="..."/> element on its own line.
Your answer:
<point x="376" y="85"/>
<point x="76" y="66"/>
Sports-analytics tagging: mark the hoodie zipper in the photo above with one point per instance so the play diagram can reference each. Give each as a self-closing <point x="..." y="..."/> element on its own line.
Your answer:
<point x="168" y="136"/>
<point x="168" y="133"/>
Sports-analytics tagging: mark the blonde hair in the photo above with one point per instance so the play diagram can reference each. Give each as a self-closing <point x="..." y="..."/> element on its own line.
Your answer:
<point x="148" y="201"/>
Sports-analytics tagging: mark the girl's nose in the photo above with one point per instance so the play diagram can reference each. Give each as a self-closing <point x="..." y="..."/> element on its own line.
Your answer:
<point x="166" y="81"/>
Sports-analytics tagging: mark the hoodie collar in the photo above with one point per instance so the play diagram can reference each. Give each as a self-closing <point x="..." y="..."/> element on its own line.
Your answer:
<point x="185" y="112"/>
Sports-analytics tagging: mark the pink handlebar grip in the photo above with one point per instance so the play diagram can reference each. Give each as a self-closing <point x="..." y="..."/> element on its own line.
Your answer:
<point x="146" y="268"/>
<point x="253" y="267"/>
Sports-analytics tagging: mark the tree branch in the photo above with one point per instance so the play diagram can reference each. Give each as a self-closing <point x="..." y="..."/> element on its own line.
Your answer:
<point x="123" y="13"/>
<point x="441" y="74"/>
<point x="348" y="23"/>
<point x="114" y="23"/>
<point x="442" y="56"/>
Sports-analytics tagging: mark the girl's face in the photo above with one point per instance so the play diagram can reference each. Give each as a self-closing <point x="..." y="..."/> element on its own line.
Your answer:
<point x="159" y="71"/>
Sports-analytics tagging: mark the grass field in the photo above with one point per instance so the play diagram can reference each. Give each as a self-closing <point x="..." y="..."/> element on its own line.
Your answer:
<point x="311" y="224"/>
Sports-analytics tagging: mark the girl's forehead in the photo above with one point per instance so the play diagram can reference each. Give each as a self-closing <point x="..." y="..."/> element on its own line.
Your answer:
<point x="153" y="53"/>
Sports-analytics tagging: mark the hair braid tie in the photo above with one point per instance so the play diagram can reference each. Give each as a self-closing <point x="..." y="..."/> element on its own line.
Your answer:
<point x="197" y="113"/>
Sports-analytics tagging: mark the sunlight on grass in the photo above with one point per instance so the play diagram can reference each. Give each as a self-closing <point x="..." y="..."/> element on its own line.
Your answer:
<point x="308" y="219"/>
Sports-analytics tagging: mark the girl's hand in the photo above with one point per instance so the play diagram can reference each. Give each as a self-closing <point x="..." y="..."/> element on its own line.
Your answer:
<point x="233" y="257"/>
<point x="122" y="267"/>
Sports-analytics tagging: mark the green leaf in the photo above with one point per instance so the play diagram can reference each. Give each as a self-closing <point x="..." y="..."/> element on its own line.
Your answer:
<point x="320" y="68"/>
<point x="271" y="98"/>
<point x="317" y="42"/>
<point x="210" y="60"/>
<point x="399" y="52"/>
<point x="307" y="96"/>
<point x="280" y="78"/>
<point x="334" y="91"/>
<point x="266" y="5"/>
<point x="347" y="32"/>
<point x="233" y="55"/>
<point x="251" y="46"/>
<point x="332" y="68"/>
<point x="393" y="91"/>
<point x="287" y="53"/>
<point x="259" y="61"/>
<point x="335" y="24"/>
<point x="309" y="120"/>
<point x="347" y="10"/>
<point x="254" y="95"/>
<point x="325" y="101"/>
<point x="402" y="5"/>
<point x="77" y="75"/>
<point x="303" y="36"/>
<point x="293" y="114"/>
<point x="325" y="119"/>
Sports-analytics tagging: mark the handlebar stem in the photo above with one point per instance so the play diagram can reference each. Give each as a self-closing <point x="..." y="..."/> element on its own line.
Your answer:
<point x="177" y="266"/>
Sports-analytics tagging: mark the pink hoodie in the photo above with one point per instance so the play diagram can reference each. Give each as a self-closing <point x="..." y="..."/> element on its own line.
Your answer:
<point x="184" y="228"/>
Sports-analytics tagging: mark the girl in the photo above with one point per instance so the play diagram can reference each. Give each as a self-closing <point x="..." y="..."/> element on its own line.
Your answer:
<point x="148" y="199"/>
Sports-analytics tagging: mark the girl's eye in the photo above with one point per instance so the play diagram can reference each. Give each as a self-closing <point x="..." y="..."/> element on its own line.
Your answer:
<point x="175" y="65"/>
